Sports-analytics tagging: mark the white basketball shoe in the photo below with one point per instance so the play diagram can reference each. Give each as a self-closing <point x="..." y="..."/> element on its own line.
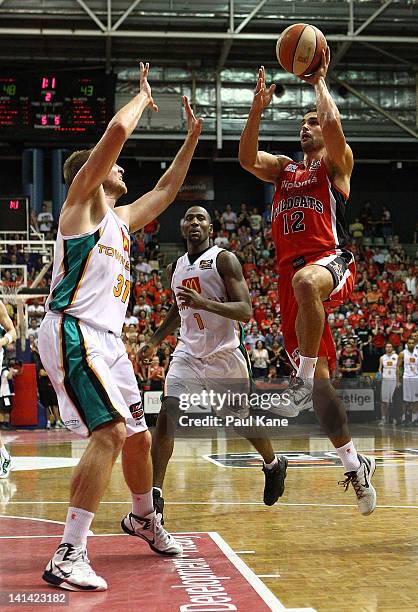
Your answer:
<point x="149" y="528"/>
<point x="296" y="398"/>
<point x="70" y="569"/>
<point x="361" y="482"/>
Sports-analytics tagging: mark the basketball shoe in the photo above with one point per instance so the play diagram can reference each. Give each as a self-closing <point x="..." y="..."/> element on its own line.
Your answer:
<point x="158" y="501"/>
<point x="361" y="481"/>
<point x="70" y="569"/>
<point x="297" y="397"/>
<point x="149" y="529"/>
<point x="274" y="481"/>
<point x="5" y="463"/>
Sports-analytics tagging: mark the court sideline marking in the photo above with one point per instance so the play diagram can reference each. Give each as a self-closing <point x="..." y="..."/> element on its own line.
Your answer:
<point x="258" y="585"/>
<point x="221" y="503"/>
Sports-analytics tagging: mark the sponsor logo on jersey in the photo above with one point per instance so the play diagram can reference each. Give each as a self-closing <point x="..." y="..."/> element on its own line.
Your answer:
<point x="136" y="410"/>
<point x="125" y="241"/>
<point x="296" y="354"/>
<point x="291" y="168"/>
<point x="192" y="283"/>
<point x="206" y="264"/>
<point x="315" y="164"/>
<point x="297" y="202"/>
<point x="338" y="269"/>
<point x="286" y="185"/>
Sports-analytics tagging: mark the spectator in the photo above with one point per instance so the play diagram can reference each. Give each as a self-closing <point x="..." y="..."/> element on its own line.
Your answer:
<point x="274" y="335"/>
<point x="33" y="329"/>
<point x="394" y="331"/>
<point x="229" y="218"/>
<point x="411" y="281"/>
<point x="386" y="222"/>
<point x="256" y="221"/>
<point x="357" y="230"/>
<point x="244" y="220"/>
<point x="278" y="358"/>
<point x="253" y="337"/>
<point x="260" y="360"/>
<point x="222" y="240"/>
<point x="349" y="362"/>
<point x="45" y="220"/>
<point x="151" y="230"/>
<point x="143" y="266"/>
<point x="156" y="375"/>
<point x="130" y="319"/>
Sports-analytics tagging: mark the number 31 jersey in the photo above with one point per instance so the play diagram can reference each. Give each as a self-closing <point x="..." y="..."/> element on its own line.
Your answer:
<point x="91" y="275"/>
<point x="307" y="214"/>
<point x="203" y="333"/>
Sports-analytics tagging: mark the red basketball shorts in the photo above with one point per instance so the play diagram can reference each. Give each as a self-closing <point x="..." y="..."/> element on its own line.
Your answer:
<point x="342" y="267"/>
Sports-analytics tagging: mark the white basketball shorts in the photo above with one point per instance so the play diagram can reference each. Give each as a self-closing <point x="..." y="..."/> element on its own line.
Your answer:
<point x="388" y="388"/>
<point x="410" y="389"/>
<point x="91" y="374"/>
<point x="223" y="373"/>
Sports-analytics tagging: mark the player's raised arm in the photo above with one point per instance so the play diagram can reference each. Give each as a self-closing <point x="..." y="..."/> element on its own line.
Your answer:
<point x="104" y="155"/>
<point x="339" y="155"/>
<point x="153" y="203"/>
<point x="265" y="166"/>
<point x="239" y="306"/>
<point x="7" y="324"/>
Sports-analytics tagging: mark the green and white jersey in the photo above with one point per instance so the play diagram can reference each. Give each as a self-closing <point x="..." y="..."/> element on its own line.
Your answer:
<point x="91" y="275"/>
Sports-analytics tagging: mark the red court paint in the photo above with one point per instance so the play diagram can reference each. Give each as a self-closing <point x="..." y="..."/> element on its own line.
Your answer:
<point x="208" y="577"/>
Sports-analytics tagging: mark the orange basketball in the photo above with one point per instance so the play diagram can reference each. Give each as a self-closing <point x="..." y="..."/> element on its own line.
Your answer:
<point x="299" y="48"/>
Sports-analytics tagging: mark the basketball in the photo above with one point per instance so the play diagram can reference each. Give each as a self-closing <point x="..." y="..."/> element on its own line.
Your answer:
<point x="299" y="48"/>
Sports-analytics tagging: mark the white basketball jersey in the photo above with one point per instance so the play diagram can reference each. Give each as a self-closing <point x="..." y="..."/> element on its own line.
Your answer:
<point x="203" y="333"/>
<point x="91" y="275"/>
<point x="410" y="364"/>
<point x="389" y="366"/>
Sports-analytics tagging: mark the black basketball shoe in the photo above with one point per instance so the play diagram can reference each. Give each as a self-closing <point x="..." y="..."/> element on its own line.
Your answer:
<point x="274" y="481"/>
<point x="158" y="500"/>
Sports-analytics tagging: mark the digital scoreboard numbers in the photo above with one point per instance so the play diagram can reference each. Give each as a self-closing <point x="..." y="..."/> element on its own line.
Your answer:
<point x="14" y="215"/>
<point x="55" y="103"/>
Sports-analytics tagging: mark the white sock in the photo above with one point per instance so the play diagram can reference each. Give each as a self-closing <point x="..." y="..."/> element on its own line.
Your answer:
<point x="142" y="503"/>
<point x="77" y="526"/>
<point x="348" y="456"/>
<point x="306" y="367"/>
<point x="272" y="465"/>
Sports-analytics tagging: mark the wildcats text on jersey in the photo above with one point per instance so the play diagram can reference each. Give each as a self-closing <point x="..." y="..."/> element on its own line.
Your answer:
<point x="297" y="202"/>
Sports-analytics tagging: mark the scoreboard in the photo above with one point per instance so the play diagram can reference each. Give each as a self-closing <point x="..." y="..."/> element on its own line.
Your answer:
<point x="14" y="215"/>
<point x="55" y="103"/>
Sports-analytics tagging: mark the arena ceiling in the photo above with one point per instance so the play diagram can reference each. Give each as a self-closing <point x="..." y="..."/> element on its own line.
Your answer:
<point x="208" y="33"/>
<point x="214" y="35"/>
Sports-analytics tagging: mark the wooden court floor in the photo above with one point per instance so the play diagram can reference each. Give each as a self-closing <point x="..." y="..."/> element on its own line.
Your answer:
<point x="312" y="549"/>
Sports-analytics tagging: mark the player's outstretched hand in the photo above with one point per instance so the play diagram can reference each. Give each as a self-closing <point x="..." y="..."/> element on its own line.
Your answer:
<point x="262" y="95"/>
<point x="145" y="86"/>
<point x="145" y="354"/>
<point x="190" y="298"/>
<point x="194" y="126"/>
<point x="313" y="78"/>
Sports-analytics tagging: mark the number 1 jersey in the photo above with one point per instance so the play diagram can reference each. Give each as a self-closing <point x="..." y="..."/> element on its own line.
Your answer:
<point x="308" y="214"/>
<point x="203" y="333"/>
<point x="91" y="275"/>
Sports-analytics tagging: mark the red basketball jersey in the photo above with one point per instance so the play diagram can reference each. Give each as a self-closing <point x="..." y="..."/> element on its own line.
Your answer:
<point x="307" y="214"/>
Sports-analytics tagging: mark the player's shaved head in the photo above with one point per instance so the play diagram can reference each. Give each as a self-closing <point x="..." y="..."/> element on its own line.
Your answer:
<point x="198" y="210"/>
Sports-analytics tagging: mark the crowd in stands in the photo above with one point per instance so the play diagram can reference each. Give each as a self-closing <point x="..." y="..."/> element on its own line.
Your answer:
<point x="382" y="307"/>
